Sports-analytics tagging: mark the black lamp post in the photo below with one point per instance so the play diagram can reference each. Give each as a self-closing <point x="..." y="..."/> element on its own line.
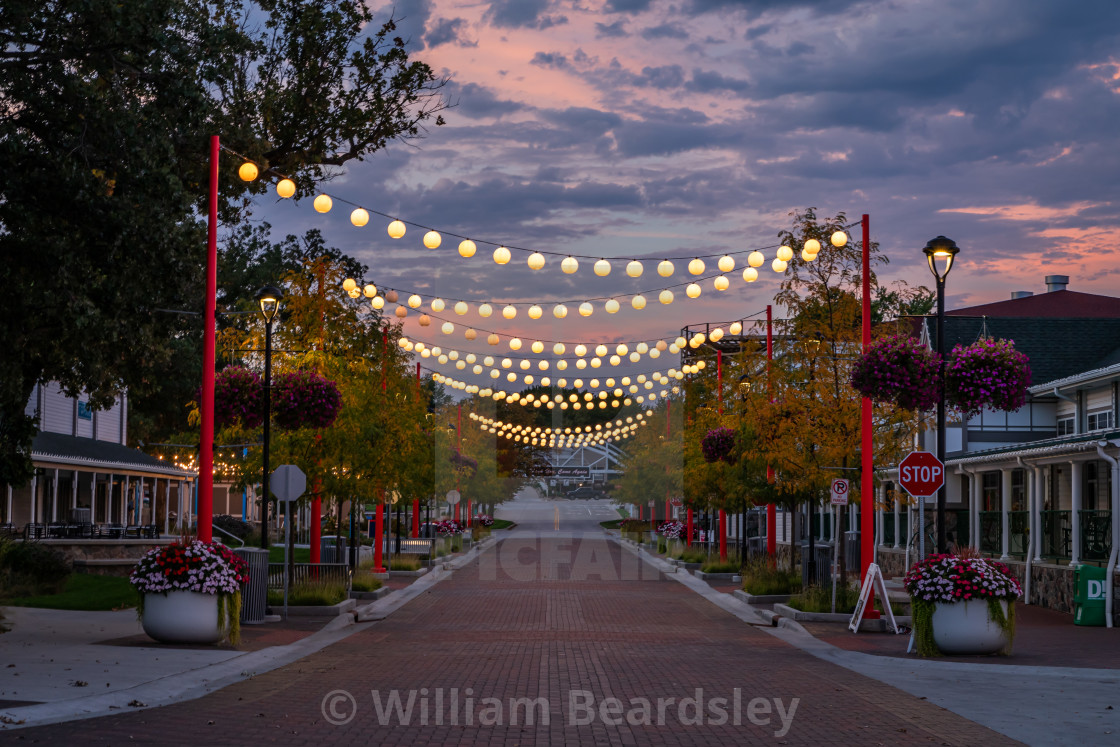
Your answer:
<point x="269" y="298"/>
<point x="940" y="253"/>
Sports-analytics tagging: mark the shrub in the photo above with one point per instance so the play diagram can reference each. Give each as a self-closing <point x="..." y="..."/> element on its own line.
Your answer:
<point x="729" y="566"/>
<point x="762" y="576"/>
<point x="364" y="581"/>
<point x="31" y="568"/>
<point x="819" y="599"/>
<point x="309" y="594"/>
<point x="404" y="563"/>
<point x="233" y="525"/>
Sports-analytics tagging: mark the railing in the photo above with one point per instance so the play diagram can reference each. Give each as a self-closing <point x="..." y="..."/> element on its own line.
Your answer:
<point x="323" y="573"/>
<point x="991" y="531"/>
<point x="1018" y="534"/>
<point x="1055" y="533"/>
<point x="957" y="529"/>
<point x="1096" y="534"/>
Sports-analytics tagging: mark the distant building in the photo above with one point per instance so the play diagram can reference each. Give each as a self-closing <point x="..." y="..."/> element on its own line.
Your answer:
<point x="85" y="472"/>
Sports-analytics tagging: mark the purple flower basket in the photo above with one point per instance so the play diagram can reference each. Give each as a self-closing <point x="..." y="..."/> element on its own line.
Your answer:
<point x="237" y="398"/>
<point x="304" y="400"/>
<point x="899" y="370"/>
<point x="717" y="444"/>
<point x="987" y="373"/>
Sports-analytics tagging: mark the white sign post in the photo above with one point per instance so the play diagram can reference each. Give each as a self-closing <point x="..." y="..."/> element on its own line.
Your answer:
<point x="873" y="582"/>
<point x="287" y="484"/>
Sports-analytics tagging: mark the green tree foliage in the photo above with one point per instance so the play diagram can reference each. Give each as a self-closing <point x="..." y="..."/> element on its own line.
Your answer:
<point x="104" y="149"/>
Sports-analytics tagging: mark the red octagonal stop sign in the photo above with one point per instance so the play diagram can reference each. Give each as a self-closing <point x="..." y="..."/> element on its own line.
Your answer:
<point x="920" y="473"/>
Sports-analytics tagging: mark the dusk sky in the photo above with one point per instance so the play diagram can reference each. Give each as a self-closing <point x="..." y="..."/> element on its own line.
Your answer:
<point x="646" y="128"/>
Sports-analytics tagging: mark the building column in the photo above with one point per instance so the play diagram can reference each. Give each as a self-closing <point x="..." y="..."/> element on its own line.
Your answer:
<point x="74" y="490"/>
<point x="8" y="509"/>
<point x="1041" y="485"/>
<point x="54" y="497"/>
<point x="109" y="501"/>
<point x="92" y="497"/>
<point x="126" y="518"/>
<point x="1004" y="507"/>
<point x="880" y="513"/>
<point x="34" y="496"/>
<point x="897" y="522"/>
<point x="1075" y="513"/>
<point x="166" y="505"/>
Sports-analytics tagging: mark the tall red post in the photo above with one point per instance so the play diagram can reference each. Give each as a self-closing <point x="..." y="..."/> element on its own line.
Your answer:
<point x="458" y="450"/>
<point x="771" y="509"/>
<point x="468" y="517"/>
<point x="688" y="528"/>
<point x="379" y="535"/>
<point x="722" y="536"/>
<point x="206" y="431"/>
<point x="867" y="487"/>
<point x="415" y="518"/>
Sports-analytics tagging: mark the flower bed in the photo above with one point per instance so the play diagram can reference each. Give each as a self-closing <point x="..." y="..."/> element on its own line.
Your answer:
<point x="899" y="370"/>
<point x="448" y="527"/>
<point x="671" y="530"/>
<point x="200" y="567"/>
<point x="955" y="579"/>
<point x="484" y="520"/>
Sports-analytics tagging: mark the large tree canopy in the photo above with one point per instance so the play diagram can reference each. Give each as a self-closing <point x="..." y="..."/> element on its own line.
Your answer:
<point x="108" y="108"/>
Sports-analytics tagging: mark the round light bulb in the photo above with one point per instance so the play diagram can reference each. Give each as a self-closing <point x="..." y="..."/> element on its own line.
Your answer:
<point x="838" y="239"/>
<point x="785" y="253"/>
<point x="461" y="308"/>
<point x="665" y="268"/>
<point x="756" y="259"/>
<point x="359" y="217"/>
<point x="396" y="229"/>
<point x="696" y="266"/>
<point x="323" y="204"/>
<point x="726" y="263"/>
<point x="501" y="255"/>
<point x="569" y="265"/>
<point x="750" y="274"/>
<point x="692" y="290"/>
<point x="634" y="268"/>
<point x="285" y="188"/>
<point x="536" y="261"/>
<point x="812" y="246"/>
<point x="248" y="171"/>
<point x="447" y="328"/>
<point x="611" y="306"/>
<point x="535" y="312"/>
<point x="602" y="268"/>
<point x="638" y="302"/>
<point x="665" y="297"/>
<point x="414" y="301"/>
<point x="537" y="347"/>
<point x="467" y="248"/>
<point x="438" y="305"/>
<point x="432" y="239"/>
<point x="585" y="309"/>
<point x="721" y="283"/>
<point x="509" y="312"/>
<point x="778" y="265"/>
<point x="559" y="311"/>
<point x="485" y="310"/>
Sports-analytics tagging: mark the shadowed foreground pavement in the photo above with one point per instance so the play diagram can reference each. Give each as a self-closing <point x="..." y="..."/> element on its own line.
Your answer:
<point x="572" y="620"/>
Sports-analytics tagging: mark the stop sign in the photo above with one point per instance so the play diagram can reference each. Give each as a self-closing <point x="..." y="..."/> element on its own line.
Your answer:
<point x="920" y="473"/>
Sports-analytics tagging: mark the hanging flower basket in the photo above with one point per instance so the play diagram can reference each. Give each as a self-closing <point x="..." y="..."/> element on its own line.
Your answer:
<point x="898" y="370"/>
<point x="466" y="463"/>
<point x="237" y="398"/>
<point x="304" y="400"/>
<point x="717" y="445"/>
<point x="987" y="373"/>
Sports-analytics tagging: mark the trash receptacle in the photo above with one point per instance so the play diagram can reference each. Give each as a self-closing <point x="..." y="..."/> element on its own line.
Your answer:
<point x="332" y="550"/>
<point x="1088" y="600"/>
<point x="254" y="592"/>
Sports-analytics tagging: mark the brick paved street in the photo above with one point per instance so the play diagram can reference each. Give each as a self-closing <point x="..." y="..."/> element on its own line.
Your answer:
<point x="520" y="638"/>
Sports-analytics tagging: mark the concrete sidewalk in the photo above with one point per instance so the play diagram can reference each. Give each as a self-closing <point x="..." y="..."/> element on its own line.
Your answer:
<point x="61" y="665"/>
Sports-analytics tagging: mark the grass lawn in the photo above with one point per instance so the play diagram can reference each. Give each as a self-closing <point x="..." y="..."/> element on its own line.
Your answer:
<point x="503" y="524"/>
<point x="276" y="554"/>
<point x="612" y="524"/>
<point x="83" y="591"/>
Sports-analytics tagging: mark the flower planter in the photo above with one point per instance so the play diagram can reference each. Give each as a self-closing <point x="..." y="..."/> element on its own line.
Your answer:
<point x="968" y="628"/>
<point x="182" y="617"/>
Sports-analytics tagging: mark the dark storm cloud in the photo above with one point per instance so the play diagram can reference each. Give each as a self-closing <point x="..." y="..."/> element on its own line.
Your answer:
<point x="478" y="102"/>
<point x="616" y="30"/>
<point x="664" y="31"/>
<point x="446" y="30"/>
<point x="522" y="14"/>
<point x="706" y="81"/>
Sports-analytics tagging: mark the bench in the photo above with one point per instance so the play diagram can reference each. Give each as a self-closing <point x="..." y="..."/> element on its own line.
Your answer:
<point x="413" y="546"/>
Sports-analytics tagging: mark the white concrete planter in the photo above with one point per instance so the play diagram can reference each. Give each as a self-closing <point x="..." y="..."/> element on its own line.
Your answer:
<point x="967" y="628"/>
<point x="183" y="617"/>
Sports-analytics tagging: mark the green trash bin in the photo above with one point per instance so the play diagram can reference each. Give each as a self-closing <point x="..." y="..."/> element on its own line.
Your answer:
<point x="1088" y="601"/>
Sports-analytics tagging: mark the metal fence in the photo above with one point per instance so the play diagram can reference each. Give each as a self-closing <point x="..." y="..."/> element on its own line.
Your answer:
<point x="320" y="573"/>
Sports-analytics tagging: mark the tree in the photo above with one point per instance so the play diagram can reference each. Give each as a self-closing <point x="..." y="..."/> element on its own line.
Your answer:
<point x="104" y="147"/>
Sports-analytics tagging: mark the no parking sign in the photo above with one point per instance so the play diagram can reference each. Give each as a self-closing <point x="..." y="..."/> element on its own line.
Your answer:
<point x="839" y="492"/>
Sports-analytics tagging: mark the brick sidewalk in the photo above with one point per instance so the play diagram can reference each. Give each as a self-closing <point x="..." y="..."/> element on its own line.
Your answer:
<point x="531" y="638"/>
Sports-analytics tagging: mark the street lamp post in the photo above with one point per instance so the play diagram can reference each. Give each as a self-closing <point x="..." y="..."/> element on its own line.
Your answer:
<point x="941" y="251"/>
<point x="269" y="298"/>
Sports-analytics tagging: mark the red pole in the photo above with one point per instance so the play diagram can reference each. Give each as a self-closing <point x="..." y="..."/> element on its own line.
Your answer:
<point x="206" y="434"/>
<point x="379" y="535"/>
<point x="458" y="450"/>
<point x="416" y="501"/>
<point x="468" y="521"/>
<point x="722" y="536"/>
<point x="866" y="499"/>
<point x="771" y="509"/>
<point x="688" y="529"/>
<point x="317" y="494"/>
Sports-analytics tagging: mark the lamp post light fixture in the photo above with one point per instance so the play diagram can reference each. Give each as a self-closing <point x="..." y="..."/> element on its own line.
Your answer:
<point x="940" y="253"/>
<point x="269" y="298"/>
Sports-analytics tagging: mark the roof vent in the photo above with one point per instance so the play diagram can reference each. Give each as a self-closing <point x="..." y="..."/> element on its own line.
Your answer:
<point x="1056" y="283"/>
<point x="1021" y="294"/>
